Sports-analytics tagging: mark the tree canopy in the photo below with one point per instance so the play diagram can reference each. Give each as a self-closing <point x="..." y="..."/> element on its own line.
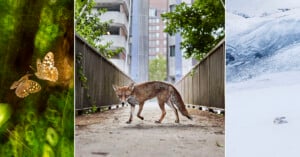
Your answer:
<point x="158" y="69"/>
<point x="90" y="27"/>
<point x="201" y="25"/>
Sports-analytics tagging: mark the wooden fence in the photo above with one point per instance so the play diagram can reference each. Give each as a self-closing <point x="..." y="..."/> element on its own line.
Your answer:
<point x="204" y="84"/>
<point x="94" y="77"/>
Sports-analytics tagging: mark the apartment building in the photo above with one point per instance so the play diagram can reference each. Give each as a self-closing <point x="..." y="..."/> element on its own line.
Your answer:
<point x="177" y="65"/>
<point x="157" y="38"/>
<point x="119" y="11"/>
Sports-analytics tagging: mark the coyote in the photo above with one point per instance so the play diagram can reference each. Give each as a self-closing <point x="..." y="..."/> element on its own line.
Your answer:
<point x="138" y="94"/>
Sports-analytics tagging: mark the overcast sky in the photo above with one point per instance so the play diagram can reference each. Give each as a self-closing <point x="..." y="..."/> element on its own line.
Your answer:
<point x="260" y="6"/>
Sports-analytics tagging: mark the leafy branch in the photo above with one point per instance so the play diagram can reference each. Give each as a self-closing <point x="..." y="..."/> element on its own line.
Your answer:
<point x="202" y="26"/>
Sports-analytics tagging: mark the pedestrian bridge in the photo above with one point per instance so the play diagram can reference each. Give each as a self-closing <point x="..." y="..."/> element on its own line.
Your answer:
<point x="107" y="134"/>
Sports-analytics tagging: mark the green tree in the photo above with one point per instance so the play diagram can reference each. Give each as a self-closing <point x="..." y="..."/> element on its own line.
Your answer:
<point x="89" y="26"/>
<point x="158" y="69"/>
<point x="202" y="26"/>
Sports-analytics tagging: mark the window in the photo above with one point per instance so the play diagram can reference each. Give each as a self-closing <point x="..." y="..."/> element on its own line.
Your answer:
<point x="152" y="43"/>
<point x="152" y="12"/>
<point x="157" y="42"/>
<point x="172" y="7"/>
<point x="153" y="28"/>
<point x="115" y="7"/>
<point x="157" y="35"/>
<point x="165" y="35"/>
<point x="152" y="49"/>
<point x="151" y="35"/>
<point x="172" y="51"/>
<point x="157" y="49"/>
<point x="113" y="30"/>
<point x="165" y="42"/>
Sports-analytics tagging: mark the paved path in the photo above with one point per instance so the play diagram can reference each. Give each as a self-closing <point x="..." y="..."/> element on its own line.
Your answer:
<point x="107" y="134"/>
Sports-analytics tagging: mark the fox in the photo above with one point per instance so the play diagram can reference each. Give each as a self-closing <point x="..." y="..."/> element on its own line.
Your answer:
<point x="139" y="93"/>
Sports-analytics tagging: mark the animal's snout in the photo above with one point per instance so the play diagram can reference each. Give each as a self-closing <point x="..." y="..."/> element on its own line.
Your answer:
<point x="123" y="103"/>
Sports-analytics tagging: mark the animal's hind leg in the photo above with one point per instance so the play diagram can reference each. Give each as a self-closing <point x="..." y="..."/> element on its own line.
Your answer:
<point x="141" y="105"/>
<point x="163" y="111"/>
<point x="174" y="109"/>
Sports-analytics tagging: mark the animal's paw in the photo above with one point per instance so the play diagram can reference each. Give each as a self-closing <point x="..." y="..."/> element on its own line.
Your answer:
<point x="177" y="121"/>
<point x="157" y="121"/>
<point x="128" y="122"/>
<point x="142" y="118"/>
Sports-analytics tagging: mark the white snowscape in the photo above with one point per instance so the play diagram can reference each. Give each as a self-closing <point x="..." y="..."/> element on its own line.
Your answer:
<point x="263" y="83"/>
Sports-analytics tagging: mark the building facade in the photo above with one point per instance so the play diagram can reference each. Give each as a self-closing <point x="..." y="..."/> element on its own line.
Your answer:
<point x="157" y="37"/>
<point x="177" y="65"/>
<point x="119" y="11"/>
<point x="139" y="41"/>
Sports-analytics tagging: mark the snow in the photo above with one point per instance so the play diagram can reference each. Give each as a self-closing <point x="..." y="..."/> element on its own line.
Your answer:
<point x="262" y="78"/>
<point x="251" y="42"/>
<point x="251" y="108"/>
<point x="259" y="7"/>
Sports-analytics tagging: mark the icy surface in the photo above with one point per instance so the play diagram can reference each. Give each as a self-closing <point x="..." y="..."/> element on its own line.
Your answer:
<point x="251" y="108"/>
<point x="262" y="78"/>
<point x="263" y="44"/>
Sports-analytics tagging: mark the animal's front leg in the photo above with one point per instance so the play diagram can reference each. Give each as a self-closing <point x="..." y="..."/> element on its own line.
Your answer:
<point x="140" y="111"/>
<point x="131" y="113"/>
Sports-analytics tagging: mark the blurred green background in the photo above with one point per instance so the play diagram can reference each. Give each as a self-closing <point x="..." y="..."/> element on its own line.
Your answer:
<point x="41" y="124"/>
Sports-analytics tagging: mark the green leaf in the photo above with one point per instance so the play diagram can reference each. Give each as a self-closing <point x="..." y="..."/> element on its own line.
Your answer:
<point x="201" y="25"/>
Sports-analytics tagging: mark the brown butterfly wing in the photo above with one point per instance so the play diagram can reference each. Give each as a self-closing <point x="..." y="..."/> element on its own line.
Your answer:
<point x="49" y="59"/>
<point x="51" y="71"/>
<point x="27" y="87"/>
<point x="17" y="83"/>
<point x="33" y="86"/>
<point x="46" y="69"/>
<point x="52" y="74"/>
<point x="40" y="70"/>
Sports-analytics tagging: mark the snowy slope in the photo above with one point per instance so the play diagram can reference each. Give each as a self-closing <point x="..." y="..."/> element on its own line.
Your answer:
<point x="254" y="40"/>
<point x="263" y="82"/>
<point x="252" y="106"/>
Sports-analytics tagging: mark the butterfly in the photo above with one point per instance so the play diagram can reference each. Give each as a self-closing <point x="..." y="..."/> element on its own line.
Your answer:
<point x="46" y="69"/>
<point x="24" y="86"/>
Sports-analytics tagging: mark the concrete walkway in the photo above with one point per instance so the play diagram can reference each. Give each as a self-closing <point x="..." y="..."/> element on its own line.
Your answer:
<point x="107" y="134"/>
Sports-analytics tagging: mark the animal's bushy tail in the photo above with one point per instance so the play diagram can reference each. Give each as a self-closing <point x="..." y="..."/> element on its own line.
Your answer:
<point x="177" y="100"/>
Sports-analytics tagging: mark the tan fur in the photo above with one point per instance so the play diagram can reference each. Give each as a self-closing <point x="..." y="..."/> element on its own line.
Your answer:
<point x="165" y="93"/>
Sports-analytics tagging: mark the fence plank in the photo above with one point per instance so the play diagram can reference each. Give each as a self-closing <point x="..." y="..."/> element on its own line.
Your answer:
<point x="206" y="85"/>
<point x="100" y="74"/>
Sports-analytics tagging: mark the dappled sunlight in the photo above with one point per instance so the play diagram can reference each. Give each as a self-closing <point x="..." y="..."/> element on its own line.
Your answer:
<point x="36" y="116"/>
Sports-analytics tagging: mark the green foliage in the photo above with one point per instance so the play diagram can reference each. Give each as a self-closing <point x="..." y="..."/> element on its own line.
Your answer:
<point x="94" y="108"/>
<point x="27" y="30"/>
<point x="89" y="26"/>
<point x="202" y="26"/>
<point x="5" y="112"/>
<point x="192" y="72"/>
<point x="158" y="69"/>
<point x="80" y="72"/>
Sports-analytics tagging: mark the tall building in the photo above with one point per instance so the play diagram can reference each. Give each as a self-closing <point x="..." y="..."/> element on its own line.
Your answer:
<point x="119" y="12"/>
<point x="177" y="66"/>
<point x="157" y="38"/>
<point x="139" y="41"/>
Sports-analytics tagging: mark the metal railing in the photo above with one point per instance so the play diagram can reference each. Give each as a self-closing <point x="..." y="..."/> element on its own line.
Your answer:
<point x="204" y="84"/>
<point x="94" y="77"/>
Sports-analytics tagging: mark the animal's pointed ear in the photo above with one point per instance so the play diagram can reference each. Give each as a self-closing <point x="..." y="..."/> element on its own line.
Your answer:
<point x="115" y="87"/>
<point x="131" y="86"/>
